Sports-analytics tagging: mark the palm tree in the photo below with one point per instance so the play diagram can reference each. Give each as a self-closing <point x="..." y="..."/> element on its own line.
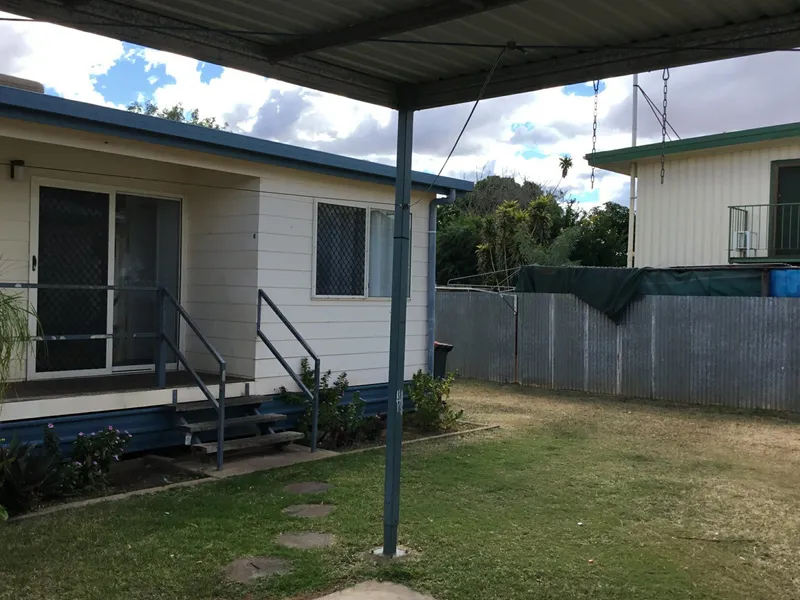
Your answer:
<point x="565" y="162"/>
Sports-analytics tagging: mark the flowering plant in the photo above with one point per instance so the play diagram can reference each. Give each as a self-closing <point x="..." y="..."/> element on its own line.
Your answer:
<point x="92" y="456"/>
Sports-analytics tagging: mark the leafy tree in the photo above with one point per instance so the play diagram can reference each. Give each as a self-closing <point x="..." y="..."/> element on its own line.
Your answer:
<point x="175" y="113"/>
<point x="603" y="239"/>
<point x="456" y="242"/>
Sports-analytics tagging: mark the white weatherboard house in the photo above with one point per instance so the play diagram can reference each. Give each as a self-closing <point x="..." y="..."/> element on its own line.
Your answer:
<point x="91" y="196"/>
<point x="727" y="198"/>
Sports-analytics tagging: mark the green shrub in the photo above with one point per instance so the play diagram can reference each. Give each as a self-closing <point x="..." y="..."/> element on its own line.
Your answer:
<point x="429" y="395"/>
<point x="339" y="424"/>
<point x="92" y="456"/>
<point x="30" y="474"/>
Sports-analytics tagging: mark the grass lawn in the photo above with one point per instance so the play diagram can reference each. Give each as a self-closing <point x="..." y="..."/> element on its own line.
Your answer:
<point x="675" y="503"/>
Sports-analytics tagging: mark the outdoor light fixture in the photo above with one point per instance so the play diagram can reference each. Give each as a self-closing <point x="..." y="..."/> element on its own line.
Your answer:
<point x="17" y="170"/>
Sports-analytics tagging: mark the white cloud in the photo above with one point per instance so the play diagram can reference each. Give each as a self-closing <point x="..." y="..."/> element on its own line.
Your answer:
<point x="63" y="59"/>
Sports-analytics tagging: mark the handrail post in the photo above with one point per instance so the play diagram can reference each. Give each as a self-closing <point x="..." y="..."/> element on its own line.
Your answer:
<point x="221" y="416"/>
<point x="258" y="313"/>
<point x="161" y="342"/>
<point x="315" y="422"/>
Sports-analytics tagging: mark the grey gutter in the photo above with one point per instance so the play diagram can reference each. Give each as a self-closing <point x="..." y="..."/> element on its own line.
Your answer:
<point x="435" y="203"/>
<point x="59" y="112"/>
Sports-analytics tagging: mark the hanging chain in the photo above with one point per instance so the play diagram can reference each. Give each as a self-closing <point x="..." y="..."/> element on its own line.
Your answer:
<point x="665" y="77"/>
<point x="596" y="85"/>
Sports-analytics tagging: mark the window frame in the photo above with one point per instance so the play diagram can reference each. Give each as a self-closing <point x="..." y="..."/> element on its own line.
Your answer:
<point x="368" y="207"/>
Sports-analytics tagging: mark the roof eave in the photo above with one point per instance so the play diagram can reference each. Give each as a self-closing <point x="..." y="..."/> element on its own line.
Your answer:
<point x="50" y="110"/>
<point x="619" y="160"/>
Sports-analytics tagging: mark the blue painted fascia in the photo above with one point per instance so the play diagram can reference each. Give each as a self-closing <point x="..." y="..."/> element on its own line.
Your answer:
<point x="51" y="110"/>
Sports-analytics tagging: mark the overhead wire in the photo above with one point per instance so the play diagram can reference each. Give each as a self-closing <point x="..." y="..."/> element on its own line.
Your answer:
<point x="654" y="108"/>
<point x="509" y="45"/>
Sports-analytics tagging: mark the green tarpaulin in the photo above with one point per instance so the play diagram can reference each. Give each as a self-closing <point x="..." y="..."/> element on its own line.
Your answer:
<point x="611" y="290"/>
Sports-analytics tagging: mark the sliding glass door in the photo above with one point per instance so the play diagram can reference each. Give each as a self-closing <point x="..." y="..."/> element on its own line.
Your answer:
<point x="147" y="250"/>
<point x="84" y="236"/>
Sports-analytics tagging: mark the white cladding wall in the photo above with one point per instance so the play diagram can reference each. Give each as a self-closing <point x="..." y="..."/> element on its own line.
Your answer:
<point x="221" y="264"/>
<point x="685" y="221"/>
<point x="349" y="335"/>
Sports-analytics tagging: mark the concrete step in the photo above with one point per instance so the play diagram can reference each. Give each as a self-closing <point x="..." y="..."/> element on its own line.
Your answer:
<point x="258" y="441"/>
<point x="206" y="405"/>
<point x="212" y="425"/>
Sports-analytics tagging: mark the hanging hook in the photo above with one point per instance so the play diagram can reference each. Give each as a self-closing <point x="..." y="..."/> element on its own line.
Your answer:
<point x="596" y="86"/>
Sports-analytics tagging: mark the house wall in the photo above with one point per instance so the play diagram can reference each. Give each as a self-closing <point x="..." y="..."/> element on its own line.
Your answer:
<point x="234" y="241"/>
<point x="684" y="222"/>
<point x="222" y="262"/>
<point x="350" y="335"/>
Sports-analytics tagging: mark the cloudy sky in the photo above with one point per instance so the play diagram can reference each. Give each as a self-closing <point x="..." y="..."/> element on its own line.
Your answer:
<point x="521" y="135"/>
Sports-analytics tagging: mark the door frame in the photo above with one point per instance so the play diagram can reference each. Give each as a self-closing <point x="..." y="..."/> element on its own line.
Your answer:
<point x="33" y="275"/>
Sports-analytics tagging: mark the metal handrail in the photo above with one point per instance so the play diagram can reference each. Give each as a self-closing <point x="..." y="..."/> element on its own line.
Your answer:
<point x="161" y="364"/>
<point x="161" y="335"/>
<point x="314" y="397"/>
<point x="759" y="232"/>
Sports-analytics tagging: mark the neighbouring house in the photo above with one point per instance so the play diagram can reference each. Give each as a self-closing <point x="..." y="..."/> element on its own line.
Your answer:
<point x="93" y="196"/>
<point x="727" y="198"/>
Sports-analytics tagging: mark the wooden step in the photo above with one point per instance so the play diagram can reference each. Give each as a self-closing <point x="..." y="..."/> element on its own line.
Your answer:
<point x="212" y="425"/>
<point x="206" y="405"/>
<point x="273" y="439"/>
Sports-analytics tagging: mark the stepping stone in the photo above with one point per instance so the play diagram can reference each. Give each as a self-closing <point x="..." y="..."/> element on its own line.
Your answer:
<point x="246" y="570"/>
<point x="308" y="487"/>
<point x="309" y="510"/>
<point x="306" y="540"/>
<point x="375" y="590"/>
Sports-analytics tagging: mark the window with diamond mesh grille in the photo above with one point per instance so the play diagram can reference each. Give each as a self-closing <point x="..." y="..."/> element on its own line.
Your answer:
<point x="341" y="250"/>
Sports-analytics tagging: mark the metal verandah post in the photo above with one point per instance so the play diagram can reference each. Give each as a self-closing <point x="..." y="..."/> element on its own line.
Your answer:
<point x="397" y="331"/>
<point x="161" y="342"/>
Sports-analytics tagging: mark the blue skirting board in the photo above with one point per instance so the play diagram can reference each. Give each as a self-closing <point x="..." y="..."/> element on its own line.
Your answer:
<point x="154" y="427"/>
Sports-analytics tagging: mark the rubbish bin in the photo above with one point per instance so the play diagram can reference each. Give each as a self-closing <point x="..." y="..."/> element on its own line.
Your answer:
<point x="440" y="352"/>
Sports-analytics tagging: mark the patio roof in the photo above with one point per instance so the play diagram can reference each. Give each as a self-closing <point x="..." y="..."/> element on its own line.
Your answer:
<point x="425" y="53"/>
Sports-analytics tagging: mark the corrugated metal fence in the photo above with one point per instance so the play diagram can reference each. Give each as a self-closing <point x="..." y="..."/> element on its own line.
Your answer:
<point x="737" y="352"/>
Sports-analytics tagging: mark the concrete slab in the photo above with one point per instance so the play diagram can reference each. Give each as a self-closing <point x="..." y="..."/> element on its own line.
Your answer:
<point x="245" y="570"/>
<point x="376" y="590"/>
<point x="307" y="540"/>
<point x="244" y="465"/>
<point x="307" y="487"/>
<point x="309" y="510"/>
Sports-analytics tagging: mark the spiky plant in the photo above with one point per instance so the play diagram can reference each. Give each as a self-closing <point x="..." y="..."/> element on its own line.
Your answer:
<point x="14" y="335"/>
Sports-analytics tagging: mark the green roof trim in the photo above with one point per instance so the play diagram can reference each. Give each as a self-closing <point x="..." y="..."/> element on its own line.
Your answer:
<point x="695" y="144"/>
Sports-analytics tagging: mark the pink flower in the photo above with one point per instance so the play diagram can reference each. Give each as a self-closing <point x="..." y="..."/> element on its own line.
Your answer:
<point x="80" y="434"/>
<point x="50" y="425"/>
<point x="111" y="428"/>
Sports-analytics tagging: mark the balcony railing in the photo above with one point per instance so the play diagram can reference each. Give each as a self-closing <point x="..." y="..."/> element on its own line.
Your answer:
<point x="764" y="232"/>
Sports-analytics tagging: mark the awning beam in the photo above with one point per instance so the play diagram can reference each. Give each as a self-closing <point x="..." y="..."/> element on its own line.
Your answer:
<point x="395" y="23"/>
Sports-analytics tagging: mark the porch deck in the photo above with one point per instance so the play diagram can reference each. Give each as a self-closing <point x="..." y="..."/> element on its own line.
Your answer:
<point x="123" y="382"/>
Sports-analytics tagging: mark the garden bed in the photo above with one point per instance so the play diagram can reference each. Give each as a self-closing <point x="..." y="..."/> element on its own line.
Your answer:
<point x="131" y="475"/>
